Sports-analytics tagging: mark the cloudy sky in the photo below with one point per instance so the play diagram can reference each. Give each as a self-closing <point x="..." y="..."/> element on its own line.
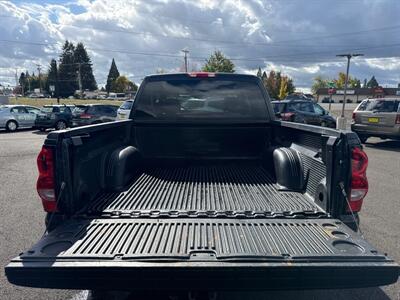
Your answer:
<point x="298" y="37"/>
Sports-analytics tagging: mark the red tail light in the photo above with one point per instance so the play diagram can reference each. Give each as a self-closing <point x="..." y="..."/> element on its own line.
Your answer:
<point x="287" y="116"/>
<point x="201" y="74"/>
<point x="398" y="119"/>
<point x="359" y="181"/>
<point x="85" y="116"/>
<point x="45" y="184"/>
<point x="353" y="116"/>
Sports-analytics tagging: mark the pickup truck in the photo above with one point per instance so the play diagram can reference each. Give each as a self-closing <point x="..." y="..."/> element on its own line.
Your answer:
<point x="202" y="189"/>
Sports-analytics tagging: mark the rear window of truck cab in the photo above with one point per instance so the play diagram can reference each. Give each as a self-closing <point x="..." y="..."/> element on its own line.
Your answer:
<point x="201" y="98"/>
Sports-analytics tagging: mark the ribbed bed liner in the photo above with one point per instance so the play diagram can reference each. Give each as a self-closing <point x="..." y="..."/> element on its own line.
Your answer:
<point x="240" y="190"/>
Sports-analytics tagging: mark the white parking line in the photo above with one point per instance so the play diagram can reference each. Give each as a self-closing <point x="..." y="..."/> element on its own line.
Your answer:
<point x="80" y="296"/>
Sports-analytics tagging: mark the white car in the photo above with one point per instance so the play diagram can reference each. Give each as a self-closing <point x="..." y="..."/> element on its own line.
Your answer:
<point x="124" y="110"/>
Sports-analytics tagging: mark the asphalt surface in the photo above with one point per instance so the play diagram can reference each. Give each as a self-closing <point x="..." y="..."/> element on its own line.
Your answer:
<point x="22" y="218"/>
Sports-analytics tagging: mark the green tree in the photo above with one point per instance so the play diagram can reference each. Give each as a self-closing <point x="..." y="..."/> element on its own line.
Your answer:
<point x="278" y="83"/>
<point x="264" y="76"/>
<point x="283" y="90"/>
<point x="218" y="63"/>
<point x="340" y="81"/>
<point x="84" y="62"/>
<point x="123" y="84"/>
<point x="52" y="78"/>
<point x="259" y="72"/>
<point x="354" y="83"/>
<point x="319" y="83"/>
<point x="23" y="83"/>
<point x="113" y="74"/>
<point x="372" y="83"/>
<point x="67" y="71"/>
<point x="290" y="86"/>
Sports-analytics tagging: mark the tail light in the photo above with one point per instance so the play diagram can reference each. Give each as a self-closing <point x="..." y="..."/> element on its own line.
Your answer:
<point x="201" y="74"/>
<point x="398" y="119"/>
<point x="353" y="116"/>
<point x="85" y="116"/>
<point x="45" y="184"/>
<point x="359" y="181"/>
<point x="287" y="116"/>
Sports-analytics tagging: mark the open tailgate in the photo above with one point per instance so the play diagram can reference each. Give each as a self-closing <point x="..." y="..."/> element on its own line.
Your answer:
<point x="197" y="254"/>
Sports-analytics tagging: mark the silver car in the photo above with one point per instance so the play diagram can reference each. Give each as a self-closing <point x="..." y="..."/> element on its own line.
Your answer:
<point x="13" y="117"/>
<point x="377" y="117"/>
<point x="124" y="110"/>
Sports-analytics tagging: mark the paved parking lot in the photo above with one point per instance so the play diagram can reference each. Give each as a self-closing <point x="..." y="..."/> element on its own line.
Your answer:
<point x="21" y="216"/>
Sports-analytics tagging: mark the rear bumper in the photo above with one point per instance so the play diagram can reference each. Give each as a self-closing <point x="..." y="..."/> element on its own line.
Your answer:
<point x="44" y="124"/>
<point x="376" y="130"/>
<point x="125" y="275"/>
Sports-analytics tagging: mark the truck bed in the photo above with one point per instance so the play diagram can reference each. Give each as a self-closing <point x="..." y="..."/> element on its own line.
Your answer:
<point x="220" y="190"/>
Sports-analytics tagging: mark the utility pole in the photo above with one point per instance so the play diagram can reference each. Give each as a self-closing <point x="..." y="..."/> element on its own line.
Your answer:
<point x="29" y="82"/>
<point x="185" y="51"/>
<point x="341" y="121"/>
<point x="80" y="80"/>
<point x="16" y="85"/>
<point x="39" y="68"/>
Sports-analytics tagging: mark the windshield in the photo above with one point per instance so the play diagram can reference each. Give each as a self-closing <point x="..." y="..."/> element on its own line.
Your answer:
<point x="201" y="98"/>
<point x="126" y="105"/>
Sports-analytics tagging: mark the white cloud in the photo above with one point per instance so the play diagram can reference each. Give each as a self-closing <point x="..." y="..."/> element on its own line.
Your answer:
<point x="284" y="35"/>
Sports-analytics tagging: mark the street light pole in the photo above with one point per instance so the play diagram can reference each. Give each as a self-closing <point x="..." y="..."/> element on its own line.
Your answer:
<point x="341" y="122"/>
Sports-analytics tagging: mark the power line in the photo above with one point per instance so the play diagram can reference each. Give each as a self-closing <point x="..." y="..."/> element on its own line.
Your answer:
<point x="232" y="58"/>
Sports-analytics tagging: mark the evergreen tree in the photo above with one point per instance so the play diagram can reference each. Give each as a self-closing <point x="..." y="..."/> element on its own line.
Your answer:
<point x="365" y="83"/>
<point x="52" y="78"/>
<point x="290" y="86"/>
<point x="67" y="71"/>
<point x="84" y="63"/>
<point x="113" y="74"/>
<point x="372" y="83"/>
<point x="259" y="72"/>
<point x="22" y="82"/>
<point x="264" y="76"/>
<point x="217" y="62"/>
<point x="270" y="84"/>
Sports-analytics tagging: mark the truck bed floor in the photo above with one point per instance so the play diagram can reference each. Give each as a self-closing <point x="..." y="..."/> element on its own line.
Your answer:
<point x="217" y="190"/>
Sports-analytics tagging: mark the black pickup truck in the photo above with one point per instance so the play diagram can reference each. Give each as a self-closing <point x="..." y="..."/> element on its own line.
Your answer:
<point x="202" y="189"/>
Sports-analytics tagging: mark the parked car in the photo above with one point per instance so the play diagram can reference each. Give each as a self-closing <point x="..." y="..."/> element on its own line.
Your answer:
<point x="54" y="116"/>
<point x="327" y="100"/>
<point x="347" y="101"/>
<point x="13" y="117"/>
<point x="303" y="111"/>
<point x="124" y="110"/>
<point x="93" y="114"/>
<point x="377" y="117"/>
<point x="298" y="96"/>
<point x="193" y="199"/>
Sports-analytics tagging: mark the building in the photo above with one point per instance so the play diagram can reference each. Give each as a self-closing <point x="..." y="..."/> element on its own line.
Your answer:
<point x="356" y="95"/>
